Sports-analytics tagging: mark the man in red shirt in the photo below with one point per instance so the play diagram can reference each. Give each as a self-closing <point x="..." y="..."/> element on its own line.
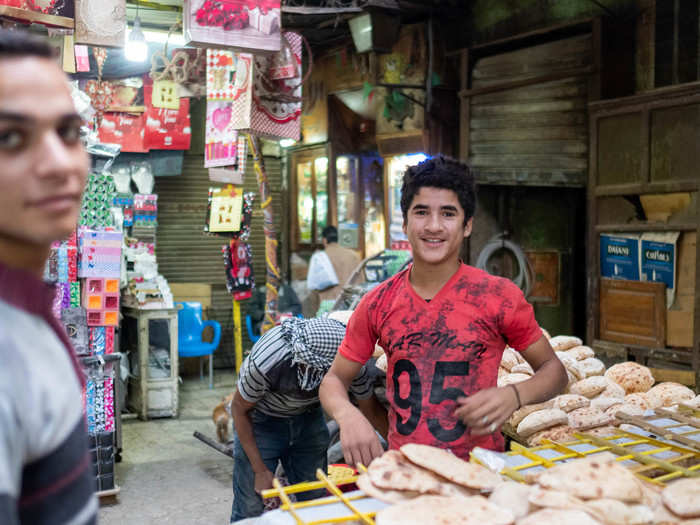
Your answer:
<point x="444" y="326"/>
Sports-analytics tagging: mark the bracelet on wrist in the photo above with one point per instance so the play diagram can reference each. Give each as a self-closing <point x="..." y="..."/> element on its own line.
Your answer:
<point x="517" y="394"/>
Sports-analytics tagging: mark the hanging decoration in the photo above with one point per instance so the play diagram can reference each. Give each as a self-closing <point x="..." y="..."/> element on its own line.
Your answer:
<point x="166" y="128"/>
<point x="100" y="22"/>
<point x="265" y="106"/>
<point x="99" y="91"/>
<point x="233" y="174"/>
<point x="272" y="273"/>
<point x="238" y="260"/>
<point x="249" y="26"/>
<point x="225" y="207"/>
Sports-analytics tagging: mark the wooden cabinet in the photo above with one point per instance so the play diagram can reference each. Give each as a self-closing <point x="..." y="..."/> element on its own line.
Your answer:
<point x="644" y="176"/>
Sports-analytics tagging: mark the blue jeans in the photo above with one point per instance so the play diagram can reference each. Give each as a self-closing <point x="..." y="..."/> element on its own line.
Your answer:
<point x="299" y="442"/>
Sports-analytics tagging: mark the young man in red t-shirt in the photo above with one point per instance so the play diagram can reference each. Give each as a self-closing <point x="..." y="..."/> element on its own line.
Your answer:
<point x="444" y="326"/>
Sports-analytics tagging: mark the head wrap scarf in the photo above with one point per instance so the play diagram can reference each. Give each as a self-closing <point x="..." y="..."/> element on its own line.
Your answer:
<point x="314" y="343"/>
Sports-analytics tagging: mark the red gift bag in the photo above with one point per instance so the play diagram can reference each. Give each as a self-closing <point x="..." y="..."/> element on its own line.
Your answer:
<point x="166" y="128"/>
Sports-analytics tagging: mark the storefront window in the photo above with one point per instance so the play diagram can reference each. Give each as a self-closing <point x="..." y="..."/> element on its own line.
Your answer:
<point x="305" y="201"/>
<point x="321" y="172"/>
<point x="397" y="167"/>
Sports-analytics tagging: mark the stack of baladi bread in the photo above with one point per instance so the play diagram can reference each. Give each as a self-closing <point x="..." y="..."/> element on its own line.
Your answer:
<point x="430" y="486"/>
<point x="593" y="396"/>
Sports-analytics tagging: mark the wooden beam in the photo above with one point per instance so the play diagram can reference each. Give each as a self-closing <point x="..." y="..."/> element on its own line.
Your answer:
<point x="37" y="17"/>
<point x="649" y="187"/>
<point x="539" y="79"/>
<point x="645" y="226"/>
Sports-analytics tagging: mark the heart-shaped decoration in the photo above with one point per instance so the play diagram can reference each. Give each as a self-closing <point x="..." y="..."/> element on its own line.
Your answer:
<point x="221" y="117"/>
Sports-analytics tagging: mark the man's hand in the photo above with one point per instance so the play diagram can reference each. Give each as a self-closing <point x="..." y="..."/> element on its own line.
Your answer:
<point x="357" y="438"/>
<point x="487" y="410"/>
<point x="263" y="480"/>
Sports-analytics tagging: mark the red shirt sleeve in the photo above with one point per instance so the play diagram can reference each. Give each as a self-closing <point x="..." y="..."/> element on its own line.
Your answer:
<point x="520" y="328"/>
<point x="360" y="336"/>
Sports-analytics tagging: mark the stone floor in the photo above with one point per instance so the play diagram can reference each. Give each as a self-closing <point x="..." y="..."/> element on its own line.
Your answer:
<point x="168" y="476"/>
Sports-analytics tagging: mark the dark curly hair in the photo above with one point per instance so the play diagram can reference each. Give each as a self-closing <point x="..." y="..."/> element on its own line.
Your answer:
<point x="440" y="172"/>
<point x="20" y="43"/>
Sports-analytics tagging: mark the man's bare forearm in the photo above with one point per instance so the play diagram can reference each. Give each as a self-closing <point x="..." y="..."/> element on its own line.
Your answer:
<point x="244" y="430"/>
<point x="541" y="387"/>
<point x="334" y="397"/>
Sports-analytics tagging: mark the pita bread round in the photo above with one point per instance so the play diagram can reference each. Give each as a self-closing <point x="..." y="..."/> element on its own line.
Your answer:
<point x="541" y="420"/>
<point x="564" y="342"/>
<point x="512" y="379"/>
<point x="512" y="496"/>
<point x="558" y="517"/>
<point x="509" y="358"/>
<point x="569" y="402"/>
<point x="614" y="512"/>
<point x="393" y="471"/>
<point x="592" y="366"/>
<point x="638" y="399"/>
<point x="451" y="467"/>
<point x="382" y="363"/>
<point x="603" y="403"/>
<point x="607" y="430"/>
<point x="589" y="417"/>
<point x="682" y="497"/>
<point x="572" y="365"/>
<point x="554" y="499"/>
<point x="502" y="372"/>
<point x="612" y="390"/>
<point x="378" y="351"/>
<point x="593" y="477"/>
<point x="526" y="410"/>
<point x="669" y="393"/>
<point x="559" y="434"/>
<point x="580" y="352"/>
<point x="626" y="408"/>
<point x="386" y="495"/>
<point x="589" y="387"/>
<point x="693" y="403"/>
<point x="522" y="368"/>
<point x="545" y="333"/>
<point x="443" y="510"/>
<point x="631" y="376"/>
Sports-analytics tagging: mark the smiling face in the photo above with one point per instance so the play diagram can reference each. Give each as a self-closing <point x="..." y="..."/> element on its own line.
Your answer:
<point x="435" y="226"/>
<point x="43" y="166"/>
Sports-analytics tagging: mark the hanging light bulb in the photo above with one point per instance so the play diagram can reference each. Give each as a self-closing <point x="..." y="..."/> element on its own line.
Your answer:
<point x="136" y="49"/>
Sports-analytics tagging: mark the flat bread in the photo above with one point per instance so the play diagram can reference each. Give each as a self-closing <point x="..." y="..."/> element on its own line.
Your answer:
<point x="604" y="431"/>
<point x="612" y="390"/>
<point x="554" y="499"/>
<point x="443" y="510"/>
<point x="512" y="379"/>
<point x="668" y="394"/>
<point x="512" y="496"/>
<point x="682" y="497"/>
<point x="569" y="402"/>
<point x="572" y="365"/>
<point x="393" y="471"/>
<point x="603" y="403"/>
<point x="580" y="352"/>
<point x="638" y="399"/>
<point x="386" y="495"/>
<point x="626" y="408"/>
<point x="451" y="467"/>
<point x="526" y="410"/>
<point x="564" y="342"/>
<point x="631" y="376"/>
<point x="588" y="417"/>
<point x="509" y="358"/>
<point x="592" y="366"/>
<point x="593" y="477"/>
<point x="558" y="517"/>
<point x="589" y="387"/>
<point x="614" y="512"/>
<point x="522" y="368"/>
<point x="382" y="363"/>
<point x="558" y="434"/>
<point x="502" y="372"/>
<point x="541" y="420"/>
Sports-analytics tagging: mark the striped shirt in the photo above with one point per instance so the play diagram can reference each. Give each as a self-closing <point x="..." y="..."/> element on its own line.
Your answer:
<point x="45" y="474"/>
<point x="269" y="379"/>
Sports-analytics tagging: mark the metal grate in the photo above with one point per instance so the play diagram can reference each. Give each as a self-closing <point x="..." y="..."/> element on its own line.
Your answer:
<point x="682" y="428"/>
<point x="650" y="459"/>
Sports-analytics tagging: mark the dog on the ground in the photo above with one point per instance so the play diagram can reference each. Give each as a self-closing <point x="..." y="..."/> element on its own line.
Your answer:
<point x="222" y="418"/>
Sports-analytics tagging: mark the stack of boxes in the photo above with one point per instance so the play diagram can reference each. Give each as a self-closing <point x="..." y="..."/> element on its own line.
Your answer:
<point x="101" y="301"/>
